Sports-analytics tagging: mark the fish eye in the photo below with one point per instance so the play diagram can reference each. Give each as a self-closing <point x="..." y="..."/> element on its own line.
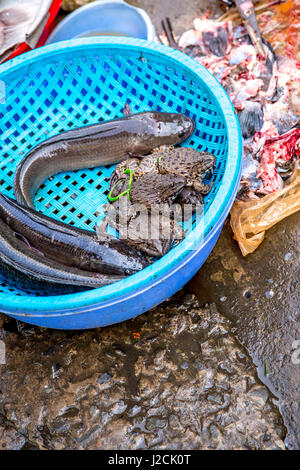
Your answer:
<point x="181" y="134"/>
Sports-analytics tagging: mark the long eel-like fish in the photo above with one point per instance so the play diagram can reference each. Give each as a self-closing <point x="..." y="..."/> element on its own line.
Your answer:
<point x="97" y="145"/>
<point x="16" y="255"/>
<point x="68" y="245"/>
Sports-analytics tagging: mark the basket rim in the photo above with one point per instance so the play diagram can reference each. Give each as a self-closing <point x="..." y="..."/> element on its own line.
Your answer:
<point x="195" y="240"/>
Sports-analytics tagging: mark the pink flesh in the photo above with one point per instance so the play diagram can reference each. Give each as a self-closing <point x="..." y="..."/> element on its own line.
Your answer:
<point x="283" y="147"/>
<point x="239" y="73"/>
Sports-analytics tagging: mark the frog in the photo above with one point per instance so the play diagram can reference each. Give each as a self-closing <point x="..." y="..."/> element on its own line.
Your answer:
<point x="168" y="175"/>
<point x="189" y="196"/>
<point x="152" y="188"/>
<point x="184" y="162"/>
<point x="188" y="163"/>
<point x="144" y="216"/>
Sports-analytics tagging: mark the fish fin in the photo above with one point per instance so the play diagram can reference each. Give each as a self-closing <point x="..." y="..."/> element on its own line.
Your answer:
<point x="23" y="239"/>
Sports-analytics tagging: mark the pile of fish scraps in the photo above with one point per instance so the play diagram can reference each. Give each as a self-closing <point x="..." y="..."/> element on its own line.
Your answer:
<point x="262" y="91"/>
<point x="21" y="22"/>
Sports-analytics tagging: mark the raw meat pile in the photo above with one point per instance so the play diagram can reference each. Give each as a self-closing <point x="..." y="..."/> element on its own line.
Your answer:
<point x="260" y="90"/>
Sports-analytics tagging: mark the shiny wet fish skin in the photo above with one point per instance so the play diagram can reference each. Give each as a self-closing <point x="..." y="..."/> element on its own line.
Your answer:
<point x="68" y="245"/>
<point x="99" y="144"/>
<point x="15" y="254"/>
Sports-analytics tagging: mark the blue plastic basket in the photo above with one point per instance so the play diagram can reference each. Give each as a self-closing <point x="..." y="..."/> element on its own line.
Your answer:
<point x="79" y="82"/>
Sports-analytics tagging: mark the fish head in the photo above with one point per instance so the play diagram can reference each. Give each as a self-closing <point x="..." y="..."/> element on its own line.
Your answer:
<point x="158" y="128"/>
<point x="172" y="128"/>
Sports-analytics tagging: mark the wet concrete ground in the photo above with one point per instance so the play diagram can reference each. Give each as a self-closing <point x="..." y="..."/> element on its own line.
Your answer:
<point x="260" y="294"/>
<point x="179" y="376"/>
<point x="175" y="378"/>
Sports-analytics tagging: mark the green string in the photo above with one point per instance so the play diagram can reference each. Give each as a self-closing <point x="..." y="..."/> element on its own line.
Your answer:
<point x="112" y="199"/>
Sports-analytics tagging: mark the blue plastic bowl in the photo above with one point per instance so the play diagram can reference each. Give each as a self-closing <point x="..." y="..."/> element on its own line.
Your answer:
<point x="78" y="82"/>
<point x="107" y="16"/>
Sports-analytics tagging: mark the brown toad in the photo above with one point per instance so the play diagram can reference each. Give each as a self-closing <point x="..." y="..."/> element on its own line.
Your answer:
<point x="168" y="160"/>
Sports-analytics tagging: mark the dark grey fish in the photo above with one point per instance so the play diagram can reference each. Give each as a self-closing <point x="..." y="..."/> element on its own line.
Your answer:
<point x="17" y="256"/>
<point x="14" y="279"/>
<point x="97" y="145"/>
<point x="68" y="245"/>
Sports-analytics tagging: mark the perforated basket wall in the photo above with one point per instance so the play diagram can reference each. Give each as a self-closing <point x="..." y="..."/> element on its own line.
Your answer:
<point x="64" y="86"/>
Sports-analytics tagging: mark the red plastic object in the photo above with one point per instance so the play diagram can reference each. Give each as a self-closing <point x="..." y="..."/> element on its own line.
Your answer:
<point x="55" y="6"/>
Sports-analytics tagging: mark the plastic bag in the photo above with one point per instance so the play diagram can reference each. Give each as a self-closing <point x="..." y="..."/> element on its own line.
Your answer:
<point x="251" y="219"/>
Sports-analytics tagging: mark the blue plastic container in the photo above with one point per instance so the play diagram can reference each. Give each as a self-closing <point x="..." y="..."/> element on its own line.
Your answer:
<point x="79" y="82"/>
<point x="113" y="17"/>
